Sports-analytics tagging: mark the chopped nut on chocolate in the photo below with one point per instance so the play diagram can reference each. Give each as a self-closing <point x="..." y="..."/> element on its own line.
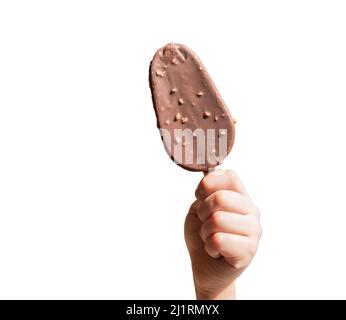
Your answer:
<point x="184" y="120"/>
<point x="159" y="73"/>
<point x="206" y="114"/>
<point x="177" y="116"/>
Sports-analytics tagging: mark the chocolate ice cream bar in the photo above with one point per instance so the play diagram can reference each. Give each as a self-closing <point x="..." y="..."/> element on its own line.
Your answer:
<point x="195" y="124"/>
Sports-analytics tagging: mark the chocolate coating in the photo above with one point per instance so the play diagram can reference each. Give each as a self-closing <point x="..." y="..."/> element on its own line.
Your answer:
<point x="185" y="97"/>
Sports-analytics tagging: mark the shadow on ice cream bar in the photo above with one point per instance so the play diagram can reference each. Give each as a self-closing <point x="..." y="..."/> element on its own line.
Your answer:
<point x="195" y="125"/>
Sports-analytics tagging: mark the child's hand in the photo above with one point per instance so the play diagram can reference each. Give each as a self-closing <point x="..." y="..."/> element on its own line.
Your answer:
<point x="222" y="230"/>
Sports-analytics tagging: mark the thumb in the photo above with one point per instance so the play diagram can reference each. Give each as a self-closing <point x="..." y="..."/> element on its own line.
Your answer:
<point x="191" y="228"/>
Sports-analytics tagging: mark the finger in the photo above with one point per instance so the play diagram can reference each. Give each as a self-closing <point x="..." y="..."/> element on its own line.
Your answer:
<point x="191" y="229"/>
<point x="229" y="222"/>
<point x="211" y="246"/>
<point x="219" y="180"/>
<point x="237" y="250"/>
<point x="223" y="200"/>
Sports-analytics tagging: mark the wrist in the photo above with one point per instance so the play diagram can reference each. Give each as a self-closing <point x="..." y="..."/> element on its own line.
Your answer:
<point x="228" y="293"/>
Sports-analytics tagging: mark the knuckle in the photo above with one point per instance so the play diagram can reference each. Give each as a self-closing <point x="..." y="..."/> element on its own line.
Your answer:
<point x="199" y="215"/>
<point x="231" y="174"/>
<point x="217" y="219"/>
<point x="205" y="210"/>
<point x="240" y="264"/>
<point x="219" y="198"/>
<point x="256" y="228"/>
<point x="251" y="250"/>
<point x="202" y="232"/>
<point x="253" y="210"/>
<point x="203" y="185"/>
<point x="216" y="241"/>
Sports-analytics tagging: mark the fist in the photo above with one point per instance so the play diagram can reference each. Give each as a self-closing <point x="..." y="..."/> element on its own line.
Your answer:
<point x="222" y="231"/>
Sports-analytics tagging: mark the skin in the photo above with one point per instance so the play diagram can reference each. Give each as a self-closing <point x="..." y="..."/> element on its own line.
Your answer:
<point x="222" y="231"/>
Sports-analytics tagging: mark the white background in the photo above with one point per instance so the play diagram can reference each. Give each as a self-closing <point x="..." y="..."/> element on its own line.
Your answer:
<point x="90" y="204"/>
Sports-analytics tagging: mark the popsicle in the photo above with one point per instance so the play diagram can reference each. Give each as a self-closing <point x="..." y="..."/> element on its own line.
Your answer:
<point x="195" y="125"/>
